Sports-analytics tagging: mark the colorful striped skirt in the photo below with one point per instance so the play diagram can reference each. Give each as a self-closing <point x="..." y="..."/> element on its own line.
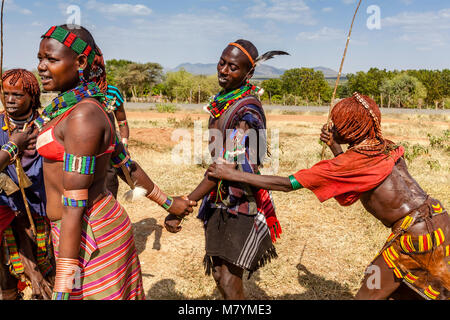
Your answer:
<point x="422" y="260"/>
<point x="110" y="268"/>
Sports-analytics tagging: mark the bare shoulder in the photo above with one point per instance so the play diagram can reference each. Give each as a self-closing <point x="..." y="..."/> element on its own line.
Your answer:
<point x="89" y="113"/>
<point x="87" y="122"/>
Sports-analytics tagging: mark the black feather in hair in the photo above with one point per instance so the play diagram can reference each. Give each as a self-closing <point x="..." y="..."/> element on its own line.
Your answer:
<point x="267" y="56"/>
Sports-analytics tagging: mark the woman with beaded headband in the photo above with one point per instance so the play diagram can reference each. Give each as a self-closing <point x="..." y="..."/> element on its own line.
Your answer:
<point x="27" y="259"/>
<point x="416" y="254"/>
<point x="94" y="246"/>
<point x="234" y="214"/>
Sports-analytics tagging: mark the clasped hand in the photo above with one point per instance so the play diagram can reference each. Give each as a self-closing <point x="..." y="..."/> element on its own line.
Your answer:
<point x="25" y="139"/>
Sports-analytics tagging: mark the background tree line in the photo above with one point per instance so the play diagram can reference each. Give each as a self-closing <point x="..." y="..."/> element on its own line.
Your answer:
<point x="401" y="89"/>
<point x="298" y="86"/>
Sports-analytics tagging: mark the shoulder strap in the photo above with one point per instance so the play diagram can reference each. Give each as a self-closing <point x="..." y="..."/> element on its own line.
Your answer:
<point x="226" y="119"/>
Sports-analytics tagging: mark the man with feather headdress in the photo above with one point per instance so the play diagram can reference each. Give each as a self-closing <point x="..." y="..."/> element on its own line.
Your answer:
<point x="239" y="220"/>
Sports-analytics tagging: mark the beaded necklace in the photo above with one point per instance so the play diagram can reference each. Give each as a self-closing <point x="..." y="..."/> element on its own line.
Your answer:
<point x="220" y="103"/>
<point x="19" y="123"/>
<point x="67" y="100"/>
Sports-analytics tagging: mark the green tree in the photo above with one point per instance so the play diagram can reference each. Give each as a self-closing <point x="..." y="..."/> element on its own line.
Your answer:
<point x="436" y="82"/>
<point x="368" y="83"/>
<point x="134" y="78"/>
<point x="184" y="86"/>
<point x="112" y="68"/>
<point x="306" y="83"/>
<point x="272" y="87"/>
<point x="404" y="91"/>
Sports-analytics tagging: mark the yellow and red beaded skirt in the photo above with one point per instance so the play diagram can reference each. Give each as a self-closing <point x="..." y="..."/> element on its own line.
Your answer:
<point x="422" y="261"/>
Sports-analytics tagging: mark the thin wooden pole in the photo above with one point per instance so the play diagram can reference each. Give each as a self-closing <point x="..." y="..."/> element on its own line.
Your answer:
<point x="339" y="75"/>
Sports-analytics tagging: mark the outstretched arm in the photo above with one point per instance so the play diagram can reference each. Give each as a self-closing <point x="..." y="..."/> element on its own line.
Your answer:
<point x="227" y="171"/>
<point x="121" y="160"/>
<point x="172" y="222"/>
<point x="205" y="187"/>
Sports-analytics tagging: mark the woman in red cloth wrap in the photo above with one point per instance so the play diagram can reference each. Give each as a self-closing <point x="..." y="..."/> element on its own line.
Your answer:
<point x="25" y="259"/>
<point x="240" y="221"/>
<point x="416" y="254"/>
<point x="96" y="258"/>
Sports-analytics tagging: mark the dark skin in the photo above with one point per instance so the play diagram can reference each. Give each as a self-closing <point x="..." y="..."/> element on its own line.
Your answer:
<point x="233" y="70"/>
<point x="389" y="202"/>
<point x="86" y="131"/>
<point x="18" y="107"/>
<point x="122" y="116"/>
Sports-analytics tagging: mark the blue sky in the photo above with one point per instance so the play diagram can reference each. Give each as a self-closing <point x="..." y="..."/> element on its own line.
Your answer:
<point x="413" y="34"/>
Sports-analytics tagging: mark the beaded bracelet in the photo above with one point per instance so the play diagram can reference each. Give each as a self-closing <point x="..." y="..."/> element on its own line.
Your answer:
<point x="67" y="202"/>
<point x="79" y="164"/>
<point x="75" y="198"/>
<point x="122" y="123"/>
<point x="160" y="198"/>
<point x="168" y="203"/>
<point x="61" y="296"/>
<point x="295" y="184"/>
<point x="121" y="159"/>
<point x="12" y="149"/>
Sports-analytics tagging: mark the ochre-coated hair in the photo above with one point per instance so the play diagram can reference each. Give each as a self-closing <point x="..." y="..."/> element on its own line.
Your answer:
<point x="357" y="120"/>
<point x="29" y="82"/>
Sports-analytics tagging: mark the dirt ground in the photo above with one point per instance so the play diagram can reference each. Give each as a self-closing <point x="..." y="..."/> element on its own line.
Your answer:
<point x="324" y="248"/>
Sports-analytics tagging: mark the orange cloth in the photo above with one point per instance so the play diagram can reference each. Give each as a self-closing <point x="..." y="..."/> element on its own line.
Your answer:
<point x="348" y="175"/>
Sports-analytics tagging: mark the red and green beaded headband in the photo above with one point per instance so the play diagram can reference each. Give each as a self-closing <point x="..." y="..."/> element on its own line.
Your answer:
<point x="72" y="41"/>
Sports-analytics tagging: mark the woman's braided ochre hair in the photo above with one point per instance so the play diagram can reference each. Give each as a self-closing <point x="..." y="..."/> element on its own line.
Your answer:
<point x="357" y="120"/>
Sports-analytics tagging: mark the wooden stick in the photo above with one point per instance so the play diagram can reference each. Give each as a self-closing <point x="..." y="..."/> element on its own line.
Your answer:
<point x="127" y="175"/>
<point x="339" y="77"/>
<point x="19" y="169"/>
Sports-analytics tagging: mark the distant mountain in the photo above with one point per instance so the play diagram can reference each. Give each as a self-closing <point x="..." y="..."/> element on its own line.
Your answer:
<point x="327" y="72"/>
<point x="262" y="72"/>
<point x="197" y="68"/>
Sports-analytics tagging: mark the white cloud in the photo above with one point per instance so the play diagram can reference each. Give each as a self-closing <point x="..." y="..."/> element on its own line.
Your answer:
<point x="325" y="33"/>
<point x="180" y="37"/>
<point x="327" y="9"/>
<point x="11" y="5"/>
<point x="421" y="28"/>
<point x="290" y="11"/>
<point x="119" y="9"/>
<point x="420" y="21"/>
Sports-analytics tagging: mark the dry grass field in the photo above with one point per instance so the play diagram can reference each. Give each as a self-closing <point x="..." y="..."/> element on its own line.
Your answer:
<point x="324" y="248"/>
